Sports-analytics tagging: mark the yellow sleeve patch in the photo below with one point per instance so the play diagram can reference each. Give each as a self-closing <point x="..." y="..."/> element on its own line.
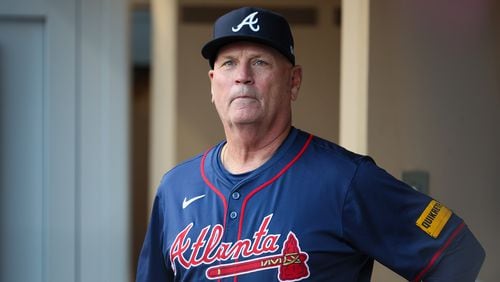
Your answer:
<point x="434" y="218"/>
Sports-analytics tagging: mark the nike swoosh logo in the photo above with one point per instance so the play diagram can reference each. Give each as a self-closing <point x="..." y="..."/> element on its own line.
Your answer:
<point x="187" y="202"/>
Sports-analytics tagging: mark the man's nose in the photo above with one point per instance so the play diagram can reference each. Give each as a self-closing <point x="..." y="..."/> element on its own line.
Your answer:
<point x="244" y="74"/>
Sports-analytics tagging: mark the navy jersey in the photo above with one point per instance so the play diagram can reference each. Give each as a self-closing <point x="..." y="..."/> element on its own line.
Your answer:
<point x="313" y="212"/>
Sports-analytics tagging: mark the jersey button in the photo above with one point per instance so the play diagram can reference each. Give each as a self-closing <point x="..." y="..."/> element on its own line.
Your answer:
<point x="236" y="195"/>
<point x="233" y="215"/>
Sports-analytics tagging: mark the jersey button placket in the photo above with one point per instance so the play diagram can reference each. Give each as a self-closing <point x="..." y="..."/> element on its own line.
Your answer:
<point x="235" y="196"/>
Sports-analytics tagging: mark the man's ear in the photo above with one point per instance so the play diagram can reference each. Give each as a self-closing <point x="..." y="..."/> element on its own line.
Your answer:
<point x="296" y="81"/>
<point x="211" y="76"/>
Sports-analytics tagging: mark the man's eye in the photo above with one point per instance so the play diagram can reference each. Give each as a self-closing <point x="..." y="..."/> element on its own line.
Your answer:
<point x="260" y="63"/>
<point x="227" y="63"/>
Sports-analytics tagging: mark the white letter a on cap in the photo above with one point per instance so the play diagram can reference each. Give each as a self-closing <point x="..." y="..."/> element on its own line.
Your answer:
<point x="250" y="20"/>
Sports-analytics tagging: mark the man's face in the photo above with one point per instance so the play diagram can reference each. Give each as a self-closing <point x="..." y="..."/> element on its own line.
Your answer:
<point x="253" y="84"/>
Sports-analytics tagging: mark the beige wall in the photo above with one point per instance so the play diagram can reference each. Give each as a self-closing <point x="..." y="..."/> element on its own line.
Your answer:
<point x="198" y="124"/>
<point x="434" y="104"/>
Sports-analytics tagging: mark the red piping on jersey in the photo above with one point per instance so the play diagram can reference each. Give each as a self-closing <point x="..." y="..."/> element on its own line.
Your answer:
<point x="202" y="171"/>
<point x="265" y="184"/>
<point x="439" y="252"/>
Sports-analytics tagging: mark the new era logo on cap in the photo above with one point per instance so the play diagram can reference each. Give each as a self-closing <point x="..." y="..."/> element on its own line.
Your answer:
<point x="250" y="24"/>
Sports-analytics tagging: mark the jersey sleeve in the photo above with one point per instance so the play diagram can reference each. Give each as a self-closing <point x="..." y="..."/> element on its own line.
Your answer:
<point x="151" y="266"/>
<point x="388" y="220"/>
<point x="461" y="261"/>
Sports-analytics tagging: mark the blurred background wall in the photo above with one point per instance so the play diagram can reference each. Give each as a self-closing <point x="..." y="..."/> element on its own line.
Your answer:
<point x="64" y="141"/>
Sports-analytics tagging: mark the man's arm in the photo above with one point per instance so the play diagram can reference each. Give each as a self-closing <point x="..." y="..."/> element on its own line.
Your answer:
<point x="461" y="261"/>
<point x="151" y="266"/>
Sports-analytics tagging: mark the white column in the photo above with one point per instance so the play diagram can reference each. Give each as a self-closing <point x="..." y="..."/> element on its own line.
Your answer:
<point x="354" y="75"/>
<point x="164" y="91"/>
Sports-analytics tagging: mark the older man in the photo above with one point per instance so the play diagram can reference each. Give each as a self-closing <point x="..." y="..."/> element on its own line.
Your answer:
<point x="274" y="203"/>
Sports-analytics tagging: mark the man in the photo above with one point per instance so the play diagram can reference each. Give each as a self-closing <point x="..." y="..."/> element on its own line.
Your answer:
<point x="274" y="203"/>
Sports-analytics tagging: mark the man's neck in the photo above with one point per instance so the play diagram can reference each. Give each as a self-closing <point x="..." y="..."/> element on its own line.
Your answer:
<point x="248" y="149"/>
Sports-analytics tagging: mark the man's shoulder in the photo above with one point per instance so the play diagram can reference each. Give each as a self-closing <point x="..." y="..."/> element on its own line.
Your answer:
<point x="186" y="166"/>
<point x="323" y="148"/>
<point x="181" y="175"/>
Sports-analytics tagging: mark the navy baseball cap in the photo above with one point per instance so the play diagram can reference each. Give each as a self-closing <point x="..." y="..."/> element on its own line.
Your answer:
<point x="250" y="24"/>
